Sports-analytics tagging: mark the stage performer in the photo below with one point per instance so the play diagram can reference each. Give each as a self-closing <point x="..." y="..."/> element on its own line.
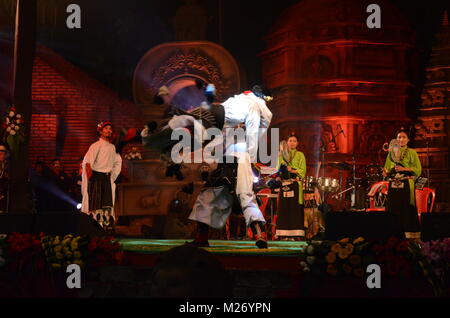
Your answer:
<point x="101" y="167"/>
<point x="291" y="215"/>
<point x="402" y="166"/>
<point x="231" y="182"/>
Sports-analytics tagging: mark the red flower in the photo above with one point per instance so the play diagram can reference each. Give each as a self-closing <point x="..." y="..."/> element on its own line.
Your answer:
<point x="391" y="242"/>
<point x="392" y="269"/>
<point x="12" y="109"/>
<point x="403" y="246"/>
<point x="92" y="246"/>
<point x="378" y="248"/>
<point x="390" y="257"/>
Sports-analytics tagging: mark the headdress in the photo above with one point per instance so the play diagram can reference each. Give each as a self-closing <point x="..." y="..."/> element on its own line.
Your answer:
<point x="102" y="125"/>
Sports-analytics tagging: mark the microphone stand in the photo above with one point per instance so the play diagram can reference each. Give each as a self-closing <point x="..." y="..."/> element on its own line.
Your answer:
<point x="353" y="199"/>
<point x="323" y="171"/>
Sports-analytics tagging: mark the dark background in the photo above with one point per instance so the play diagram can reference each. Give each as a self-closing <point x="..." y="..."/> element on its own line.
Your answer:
<point x="115" y="34"/>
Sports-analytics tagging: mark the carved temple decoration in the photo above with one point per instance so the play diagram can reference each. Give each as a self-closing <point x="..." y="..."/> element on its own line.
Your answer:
<point x="179" y="64"/>
<point x="432" y="130"/>
<point x="338" y="84"/>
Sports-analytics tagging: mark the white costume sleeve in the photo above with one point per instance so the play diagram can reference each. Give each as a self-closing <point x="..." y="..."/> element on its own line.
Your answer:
<point x="89" y="157"/>
<point x="117" y="167"/>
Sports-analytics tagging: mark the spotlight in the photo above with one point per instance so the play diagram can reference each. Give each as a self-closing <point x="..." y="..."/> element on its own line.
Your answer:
<point x="79" y="206"/>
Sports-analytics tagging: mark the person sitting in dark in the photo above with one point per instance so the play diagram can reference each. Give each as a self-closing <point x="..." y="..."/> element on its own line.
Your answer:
<point x="190" y="272"/>
<point x="58" y="187"/>
<point x="4" y="178"/>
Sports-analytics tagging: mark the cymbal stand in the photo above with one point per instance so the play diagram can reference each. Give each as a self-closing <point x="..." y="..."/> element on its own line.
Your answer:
<point x="323" y="148"/>
<point x="342" y="192"/>
<point x="353" y="197"/>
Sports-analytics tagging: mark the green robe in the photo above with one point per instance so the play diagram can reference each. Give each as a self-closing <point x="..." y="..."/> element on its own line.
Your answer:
<point x="409" y="160"/>
<point x="298" y="162"/>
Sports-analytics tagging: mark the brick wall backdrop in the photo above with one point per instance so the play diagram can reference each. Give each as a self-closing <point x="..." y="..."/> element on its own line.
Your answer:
<point x="67" y="105"/>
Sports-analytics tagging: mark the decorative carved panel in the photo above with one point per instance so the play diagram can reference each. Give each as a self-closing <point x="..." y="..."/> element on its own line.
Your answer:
<point x="170" y="62"/>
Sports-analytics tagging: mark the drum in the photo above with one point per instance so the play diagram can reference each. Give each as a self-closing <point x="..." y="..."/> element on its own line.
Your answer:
<point x="357" y="182"/>
<point x="309" y="183"/>
<point x="374" y="173"/>
<point x="328" y="184"/>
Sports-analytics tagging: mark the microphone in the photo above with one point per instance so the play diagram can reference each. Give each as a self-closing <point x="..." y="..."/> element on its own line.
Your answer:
<point x="341" y="130"/>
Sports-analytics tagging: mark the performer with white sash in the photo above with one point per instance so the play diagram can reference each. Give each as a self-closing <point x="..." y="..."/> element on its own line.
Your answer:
<point x="232" y="181"/>
<point x="101" y="167"/>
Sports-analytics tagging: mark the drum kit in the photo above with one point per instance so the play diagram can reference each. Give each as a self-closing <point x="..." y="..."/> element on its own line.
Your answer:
<point x="353" y="190"/>
<point x="350" y="193"/>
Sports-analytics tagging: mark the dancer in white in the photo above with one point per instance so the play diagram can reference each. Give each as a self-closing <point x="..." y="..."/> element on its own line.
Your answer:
<point x="232" y="181"/>
<point x="101" y="167"/>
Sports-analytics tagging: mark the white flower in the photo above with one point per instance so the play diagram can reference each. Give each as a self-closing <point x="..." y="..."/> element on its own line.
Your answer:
<point x="17" y="128"/>
<point x="310" y="259"/>
<point x="303" y="264"/>
<point x="306" y="269"/>
<point x="12" y="125"/>
<point x="19" y="115"/>
<point x="12" y="132"/>
<point x="8" y="129"/>
<point x="7" y="120"/>
<point x="310" y="250"/>
<point x="11" y="114"/>
<point x="18" y="121"/>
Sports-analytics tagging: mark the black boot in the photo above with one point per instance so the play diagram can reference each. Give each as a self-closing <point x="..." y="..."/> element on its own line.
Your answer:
<point x="260" y="234"/>
<point x="201" y="239"/>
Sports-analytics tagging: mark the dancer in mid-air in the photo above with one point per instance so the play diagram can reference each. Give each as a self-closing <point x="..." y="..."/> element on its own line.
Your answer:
<point x="232" y="181"/>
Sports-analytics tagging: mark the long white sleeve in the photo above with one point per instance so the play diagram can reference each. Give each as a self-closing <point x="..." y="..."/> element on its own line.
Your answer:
<point x="117" y="167"/>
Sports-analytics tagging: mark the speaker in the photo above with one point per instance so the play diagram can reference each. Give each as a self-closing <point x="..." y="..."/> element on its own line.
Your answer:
<point x="370" y="225"/>
<point x="435" y="225"/>
<point x="55" y="223"/>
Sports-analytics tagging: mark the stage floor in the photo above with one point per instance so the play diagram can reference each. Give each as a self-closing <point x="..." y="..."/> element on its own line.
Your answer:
<point x="222" y="247"/>
<point x="280" y="255"/>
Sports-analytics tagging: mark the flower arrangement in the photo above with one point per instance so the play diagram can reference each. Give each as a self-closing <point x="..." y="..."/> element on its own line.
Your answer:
<point x="133" y="154"/>
<point x="14" y="129"/>
<point x="395" y="258"/>
<point x="63" y="251"/>
<point x="345" y="257"/>
<point x="104" y="251"/>
<point x="2" y="250"/>
<point x="40" y="251"/>
<point x="24" y="250"/>
<point x="434" y="259"/>
<point x="337" y="258"/>
<point x="438" y="253"/>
